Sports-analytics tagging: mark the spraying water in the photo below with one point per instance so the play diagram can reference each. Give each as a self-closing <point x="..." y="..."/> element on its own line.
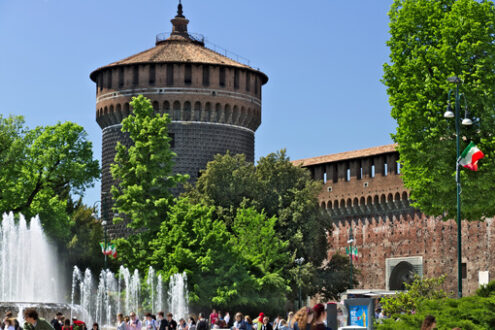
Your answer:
<point x="28" y="263"/>
<point x="178" y="296"/>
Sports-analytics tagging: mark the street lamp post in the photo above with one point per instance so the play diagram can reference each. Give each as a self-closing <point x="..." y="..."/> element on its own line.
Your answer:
<point x="299" y="262"/>
<point x="466" y="121"/>
<point x="350" y="241"/>
<point x="103" y="220"/>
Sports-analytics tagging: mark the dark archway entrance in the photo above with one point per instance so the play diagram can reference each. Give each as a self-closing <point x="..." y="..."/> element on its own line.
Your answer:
<point x="402" y="273"/>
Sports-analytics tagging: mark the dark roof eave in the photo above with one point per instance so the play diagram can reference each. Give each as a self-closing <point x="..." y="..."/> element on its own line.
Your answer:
<point x="92" y="75"/>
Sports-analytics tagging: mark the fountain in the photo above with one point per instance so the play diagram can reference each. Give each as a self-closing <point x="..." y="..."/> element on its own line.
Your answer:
<point x="29" y="277"/>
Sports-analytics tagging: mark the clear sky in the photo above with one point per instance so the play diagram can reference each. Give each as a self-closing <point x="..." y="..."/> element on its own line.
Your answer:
<point x="323" y="58"/>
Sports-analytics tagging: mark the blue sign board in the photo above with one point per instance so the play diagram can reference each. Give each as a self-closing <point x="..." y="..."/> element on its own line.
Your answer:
<point x="358" y="315"/>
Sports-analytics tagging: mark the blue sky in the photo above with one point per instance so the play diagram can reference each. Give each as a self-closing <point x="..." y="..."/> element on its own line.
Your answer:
<point x="324" y="60"/>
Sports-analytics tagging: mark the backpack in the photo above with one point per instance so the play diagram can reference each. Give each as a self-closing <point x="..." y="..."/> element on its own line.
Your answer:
<point x="202" y="325"/>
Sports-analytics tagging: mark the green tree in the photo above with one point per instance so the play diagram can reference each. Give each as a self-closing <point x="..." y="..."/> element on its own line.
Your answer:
<point x="277" y="188"/>
<point x="419" y="291"/>
<point x="41" y="168"/>
<point x="143" y="171"/>
<point x="430" y="41"/>
<point x="225" y="270"/>
<point x="333" y="277"/>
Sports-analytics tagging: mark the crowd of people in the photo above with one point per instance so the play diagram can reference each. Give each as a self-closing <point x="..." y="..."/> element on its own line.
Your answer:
<point x="304" y="319"/>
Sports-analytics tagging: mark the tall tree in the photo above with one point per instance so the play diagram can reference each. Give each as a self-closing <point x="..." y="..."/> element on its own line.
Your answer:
<point x="430" y="41"/>
<point x="41" y="168"/>
<point x="143" y="171"/>
<point x="276" y="187"/>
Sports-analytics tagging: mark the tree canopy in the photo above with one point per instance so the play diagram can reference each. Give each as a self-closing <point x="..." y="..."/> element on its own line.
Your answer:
<point x="430" y="41"/>
<point x="42" y="168"/>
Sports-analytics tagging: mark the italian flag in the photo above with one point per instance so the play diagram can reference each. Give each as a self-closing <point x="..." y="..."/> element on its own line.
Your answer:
<point x="109" y="250"/>
<point x="353" y="252"/>
<point x="470" y="156"/>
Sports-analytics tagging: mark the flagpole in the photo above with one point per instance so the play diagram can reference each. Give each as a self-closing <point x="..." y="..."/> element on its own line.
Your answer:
<point x="458" y="184"/>
<point x="449" y="114"/>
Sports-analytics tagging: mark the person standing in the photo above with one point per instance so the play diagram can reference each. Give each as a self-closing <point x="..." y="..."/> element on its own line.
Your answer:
<point x="56" y="322"/>
<point x="239" y="323"/>
<point x="213" y="317"/>
<point x="149" y="323"/>
<point x="227" y="319"/>
<point x="34" y="322"/>
<point x="319" y="317"/>
<point x="202" y="323"/>
<point x="172" y="325"/>
<point x="266" y="324"/>
<point x="120" y="322"/>
<point x="67" y="325"/>
<point x="134" y="323"/>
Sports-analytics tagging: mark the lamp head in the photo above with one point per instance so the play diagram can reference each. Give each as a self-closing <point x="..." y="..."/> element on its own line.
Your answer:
<point x="449" y="114"/>
<point x="467" y="122"/>
<point x="454" y="79"/>
<point x="104" y="223"/>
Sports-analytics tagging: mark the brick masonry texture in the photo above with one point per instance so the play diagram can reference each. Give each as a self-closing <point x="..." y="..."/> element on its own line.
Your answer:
<point x="365" y="191"/>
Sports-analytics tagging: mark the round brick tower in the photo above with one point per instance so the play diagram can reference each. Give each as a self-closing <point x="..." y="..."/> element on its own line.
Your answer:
<point x="214" y="102"/>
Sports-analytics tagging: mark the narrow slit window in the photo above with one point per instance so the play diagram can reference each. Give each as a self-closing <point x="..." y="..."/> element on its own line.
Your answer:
<point x="222" y="77"/>
<point x="188" y="74"/>
<point x="256" y="86"/>
<point x="121" y="77"/>
<point x="152" y="74"/>
<point x="206" y="75"/>
<point x="248" y="81"/>
<point x="135" y="75"/>
<point x="170" y="74"/>
<point x="236" y="79"/>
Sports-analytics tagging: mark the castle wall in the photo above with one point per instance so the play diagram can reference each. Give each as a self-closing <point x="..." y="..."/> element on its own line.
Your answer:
<point x="365" y="191"/>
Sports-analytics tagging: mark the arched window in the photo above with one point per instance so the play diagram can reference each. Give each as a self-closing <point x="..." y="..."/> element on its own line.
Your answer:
<point x="207" y="113"/>
<point x="155" y="106"/>
<point x="390" y="198"/>
<point x="376" y="200"/>
<point x="235" y="115"/>
<point x="111" y="108"/>
<point x="342" y="203"/>
<point x="228" y="114"/>
<point x="242" y="117"/>
<point x="197" y="111"/>
<point x="176" y="113"/>
<point x="126" y="109"/>
<point x="362" y="201"/>
<point x="322" y="205"/>
<point x="336" y="204"/>
<point x="166" y="107"/>
<point x="369" y="200"/>
<point x="329" y="205"/>
<point x="355" y="202"/>
<point x="218" y="113"/>
<point x="187" y="111"/>
<point x="397" y="197"/>
<point x="383" y="199"/>
<point x="404" y="196"/>
<point x="349" y="202"/>
<point x="118" y="107"/>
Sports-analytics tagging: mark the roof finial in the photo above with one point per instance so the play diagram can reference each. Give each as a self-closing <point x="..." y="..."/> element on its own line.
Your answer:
<point x="179" y="10"/>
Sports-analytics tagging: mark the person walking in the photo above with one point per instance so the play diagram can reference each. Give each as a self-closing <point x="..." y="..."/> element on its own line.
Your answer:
<point x="320" y="317"/>
<point x="56" y="322"/>
<point x="149" y="323"/>
<point x="266" y="324"/>
<point x="202" y="323"/>
<point x="303" y="319"/>
<point x="134" y="323"/>
<point x="120" y="322"/>
<point x="213" y="317"/>
<point x="172" y="325"/>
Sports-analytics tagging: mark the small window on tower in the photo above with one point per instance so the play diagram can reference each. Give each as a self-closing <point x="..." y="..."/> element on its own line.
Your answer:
<point x="248" y="81"/>
<point x="256" y="86"/>
<point x="206" y="75"/>
<point x="188" y="74"/>
<point x="236" y="78"/>
<point x="121" y="77"/>
<point x="170" y="74"/>
<point x="222" y="77"/>
<point x="135" y="75"/>
<point x="152" y="74"/>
